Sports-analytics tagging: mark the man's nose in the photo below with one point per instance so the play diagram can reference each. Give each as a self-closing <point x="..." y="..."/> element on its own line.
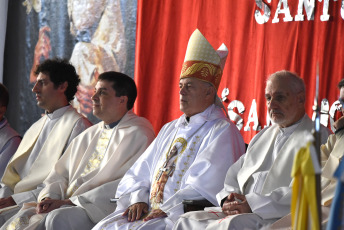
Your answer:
<point x="94" y="96"/>
<point x="182" y="90"/>
<point x="35" y="88"/>
<point x="273" y="103"/>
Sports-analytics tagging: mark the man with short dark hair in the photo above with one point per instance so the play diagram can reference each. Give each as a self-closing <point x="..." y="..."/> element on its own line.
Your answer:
<point x="78" y="190"/>
<point x="45" y="141"/>
<point x="9" y="138"/>
<point x="257" y="188"/>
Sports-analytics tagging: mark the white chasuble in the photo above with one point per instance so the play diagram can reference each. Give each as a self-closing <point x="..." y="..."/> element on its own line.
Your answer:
<point x="267" y="194"/>
<point x="49" y="153"/>
<point x="334" y="148"/>
<point x="92" y="166"/>
<point x="205" y="147"/>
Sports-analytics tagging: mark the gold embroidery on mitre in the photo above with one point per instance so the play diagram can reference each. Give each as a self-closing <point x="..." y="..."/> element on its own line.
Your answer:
<point x="201" y="70"/>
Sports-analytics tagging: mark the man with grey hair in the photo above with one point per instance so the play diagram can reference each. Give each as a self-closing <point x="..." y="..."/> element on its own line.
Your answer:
<point x="257" y="188"/>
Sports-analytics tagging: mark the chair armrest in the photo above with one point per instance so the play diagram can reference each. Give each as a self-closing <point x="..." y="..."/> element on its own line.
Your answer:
<point x="196" y="205"/>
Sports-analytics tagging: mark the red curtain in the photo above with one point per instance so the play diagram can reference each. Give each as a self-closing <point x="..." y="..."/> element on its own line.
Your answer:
<point x="255" y="51"/>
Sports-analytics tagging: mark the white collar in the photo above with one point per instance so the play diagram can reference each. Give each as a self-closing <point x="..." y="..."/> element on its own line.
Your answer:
<point x="290" y="129"/>
<point x="57" y="113"/>
<point x="211" y="113"/>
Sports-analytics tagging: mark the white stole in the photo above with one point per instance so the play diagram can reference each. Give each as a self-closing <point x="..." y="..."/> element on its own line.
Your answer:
<point x="279" y="174"/>
<point x="49" y="154"/>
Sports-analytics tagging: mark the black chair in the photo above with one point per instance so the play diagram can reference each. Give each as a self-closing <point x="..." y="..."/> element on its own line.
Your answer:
<point x="196" y="205"/>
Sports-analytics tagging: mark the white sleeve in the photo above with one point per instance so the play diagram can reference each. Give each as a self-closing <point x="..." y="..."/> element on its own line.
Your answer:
<point x="28" y="196"/>
<point x="231" y="182"/>
<point x="276" y="204"/>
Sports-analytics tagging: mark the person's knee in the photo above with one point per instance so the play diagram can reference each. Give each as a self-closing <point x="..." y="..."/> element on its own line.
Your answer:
<point x="54" y="218"/>
<point x="247" y="221"/>
<point x="68" y="218"/>
<point x="236" y="223"/>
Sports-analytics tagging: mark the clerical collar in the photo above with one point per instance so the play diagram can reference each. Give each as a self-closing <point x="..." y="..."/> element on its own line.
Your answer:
<point x="112" y="125"/>
<point x="208" y="114"/>
<point x="292" y="127"/>
<point x="57" y="113"/>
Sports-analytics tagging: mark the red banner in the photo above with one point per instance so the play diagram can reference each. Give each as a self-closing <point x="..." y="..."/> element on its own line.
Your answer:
<point x="262" y="37"/>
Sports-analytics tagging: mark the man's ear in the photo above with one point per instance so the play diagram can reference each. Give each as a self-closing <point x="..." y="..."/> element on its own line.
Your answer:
<point x="124" y="99"/>
<point x="301" y="97"/>
<point x="211" y="92"/>
<point x="63" y="86"/>
<point x="208" y="92"/>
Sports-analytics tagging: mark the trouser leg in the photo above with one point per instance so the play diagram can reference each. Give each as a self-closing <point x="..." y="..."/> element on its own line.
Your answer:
<point x="72" y="217"/>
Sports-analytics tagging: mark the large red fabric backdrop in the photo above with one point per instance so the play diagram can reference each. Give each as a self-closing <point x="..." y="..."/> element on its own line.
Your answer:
<point x="255" y="51"/>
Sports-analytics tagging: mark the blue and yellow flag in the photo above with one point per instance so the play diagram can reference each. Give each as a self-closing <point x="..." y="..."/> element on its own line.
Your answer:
<point x="337" y="209"/>
<point x="304" y="210"/>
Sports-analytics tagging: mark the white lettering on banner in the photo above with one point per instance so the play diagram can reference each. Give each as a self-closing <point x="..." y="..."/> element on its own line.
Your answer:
<point x="324" y="109"/>
<point x="325" y="16"/>
<point x="309" y="7"/>
<point x="336" y="106"/>
<point x="225" y="93"/>
<point x="263" y="15"/>
<point x="285" y="11"/>
<point x="262" y="18"/>
<point x="236" y="118"/>
<point x="326" y="113"/>
<point x="252" y="117"/>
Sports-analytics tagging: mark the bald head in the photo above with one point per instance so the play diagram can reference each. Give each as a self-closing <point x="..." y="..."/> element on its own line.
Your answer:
<point x="295" y="83"/>
<point x="285" y="98"/>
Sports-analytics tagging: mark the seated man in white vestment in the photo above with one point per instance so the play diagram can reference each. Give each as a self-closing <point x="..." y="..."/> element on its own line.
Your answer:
<point x="45" y="141"/>
<point x="257" y="188"/>
<point x="333" y="151"/>
<point x="9" y="138"/>
<point x="77" y="192"/>
<point x="190" y="155"/>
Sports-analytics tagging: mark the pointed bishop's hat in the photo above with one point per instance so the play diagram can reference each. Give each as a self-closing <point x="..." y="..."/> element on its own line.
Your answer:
<point x="202" y="61"/>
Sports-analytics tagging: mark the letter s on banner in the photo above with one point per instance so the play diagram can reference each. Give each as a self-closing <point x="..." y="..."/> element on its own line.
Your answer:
<point x="236" y="118"/>
<point x="262" y="18"/>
